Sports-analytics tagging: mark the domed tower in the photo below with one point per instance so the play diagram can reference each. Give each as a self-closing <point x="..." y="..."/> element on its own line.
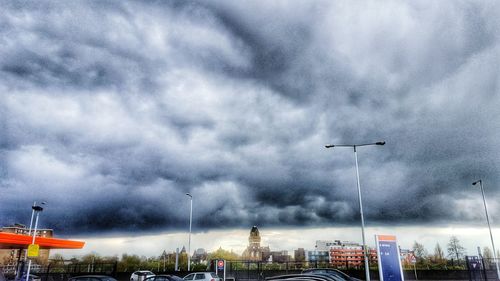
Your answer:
<point x="254" y="251"/>
<point x="254" y="238"/>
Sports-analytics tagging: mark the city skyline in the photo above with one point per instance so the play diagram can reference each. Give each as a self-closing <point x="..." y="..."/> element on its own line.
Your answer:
<point x="112" y="111"/>
<point x="278" y="239"/>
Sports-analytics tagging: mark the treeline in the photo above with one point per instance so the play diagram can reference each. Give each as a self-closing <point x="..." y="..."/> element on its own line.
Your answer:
<point x="454" y="258"/>
<point x="128" y="263"/>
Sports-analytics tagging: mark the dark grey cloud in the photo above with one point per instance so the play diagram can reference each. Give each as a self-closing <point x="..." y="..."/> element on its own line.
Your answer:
<point x="113" y="111"/>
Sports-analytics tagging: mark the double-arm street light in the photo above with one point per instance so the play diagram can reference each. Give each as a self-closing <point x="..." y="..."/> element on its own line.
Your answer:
<point x="354" y="146"/>
<point x="489" y="227"/>
<point x="190" y="224"/>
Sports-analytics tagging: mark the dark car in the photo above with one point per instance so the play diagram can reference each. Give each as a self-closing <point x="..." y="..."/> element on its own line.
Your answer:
<point x="304" y="277"/>
<point x="330" y="271"/>
<point x="92" y="278"/>
<point x="32" y="277"/>
<point x="164" y="277"/>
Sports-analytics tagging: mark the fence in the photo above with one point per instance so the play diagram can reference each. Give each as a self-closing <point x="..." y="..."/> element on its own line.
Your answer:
<point x="62" y="270"/>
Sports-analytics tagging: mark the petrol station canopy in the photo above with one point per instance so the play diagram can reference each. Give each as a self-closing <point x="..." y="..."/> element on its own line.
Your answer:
<point x="17" y="241"/>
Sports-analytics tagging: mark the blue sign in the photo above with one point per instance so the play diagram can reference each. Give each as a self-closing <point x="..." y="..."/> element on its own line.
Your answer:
<point x="389" y="262"/>
<point x="220" y="265"/>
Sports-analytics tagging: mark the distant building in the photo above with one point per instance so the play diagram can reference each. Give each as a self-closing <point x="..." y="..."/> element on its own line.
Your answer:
<point x="199" y="256"/>
<point x="10" y="256"/>
<point x="349" y="254"/>
<point x="406" y="256"/>
<point x="254" y="252"/>
<point x="318" y="256"/>
<point x="325" y="245"/>
<point x="279" y="256"/>
<point x="299" y="255"/>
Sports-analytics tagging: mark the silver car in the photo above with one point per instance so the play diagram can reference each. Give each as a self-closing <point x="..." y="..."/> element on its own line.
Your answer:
<point x="140" y="275"/>
<point x="202" y="276"/>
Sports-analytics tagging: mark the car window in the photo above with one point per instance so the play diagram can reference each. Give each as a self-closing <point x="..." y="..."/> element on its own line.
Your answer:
<point x="189" y="277"/>
<point x="200" y="276"/>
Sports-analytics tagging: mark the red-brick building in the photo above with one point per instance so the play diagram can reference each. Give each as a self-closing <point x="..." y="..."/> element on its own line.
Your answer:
<point x="350" y="254"/>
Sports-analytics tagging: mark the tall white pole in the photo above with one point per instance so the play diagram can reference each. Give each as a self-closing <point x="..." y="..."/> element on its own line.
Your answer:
<point x="190" y="224"/>
<point x="29" y="230"/>
<point x="489" y="227"/>
<point x="32" y="242"/>
<point x="32" y="216"/>
<point x="365" y="249"/>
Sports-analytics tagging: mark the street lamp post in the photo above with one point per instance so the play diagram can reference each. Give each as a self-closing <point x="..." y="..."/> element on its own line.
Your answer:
<point x="36" y="209"/>
<point x="489" y="226"/>
<point x="29" y="229"/>
<point x="365" y="250"/>
<point x="190" y="224"/>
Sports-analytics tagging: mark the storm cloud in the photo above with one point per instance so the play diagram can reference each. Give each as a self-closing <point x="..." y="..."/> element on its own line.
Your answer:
<point x="112" y="111"/>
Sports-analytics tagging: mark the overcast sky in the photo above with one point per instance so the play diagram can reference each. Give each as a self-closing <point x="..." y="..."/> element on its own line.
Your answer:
<point x="112" y="110"/>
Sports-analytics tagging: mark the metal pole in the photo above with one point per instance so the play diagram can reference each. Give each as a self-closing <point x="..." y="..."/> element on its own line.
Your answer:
<point x="190" y="224"/>
<point x="177" y="259"/>
<point x="29" y="230"/>
<point x="489" y="227"/>
<point x="32" y="215"/>
<point x="365" y="249"/>
<point x="32" y="242"/>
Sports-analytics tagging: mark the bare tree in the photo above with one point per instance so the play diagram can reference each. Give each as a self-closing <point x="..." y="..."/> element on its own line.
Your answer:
<point x="420" y="252"/>
<point x="455" y="250"/>
<point x="438" y="254"/>
<point x="487" y="253"/>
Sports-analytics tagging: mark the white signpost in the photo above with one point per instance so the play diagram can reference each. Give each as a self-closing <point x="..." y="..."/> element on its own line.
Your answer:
<point x="221" y="265"/>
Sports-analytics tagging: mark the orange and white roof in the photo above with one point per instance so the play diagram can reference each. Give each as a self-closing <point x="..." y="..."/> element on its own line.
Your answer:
<point x="17" y="241"/>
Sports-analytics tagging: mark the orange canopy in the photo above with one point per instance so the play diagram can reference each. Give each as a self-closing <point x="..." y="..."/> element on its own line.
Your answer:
<point x="17" y="241"/>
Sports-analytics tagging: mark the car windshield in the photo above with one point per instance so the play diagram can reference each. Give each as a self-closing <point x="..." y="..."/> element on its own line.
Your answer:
<point x="338" y="274"/>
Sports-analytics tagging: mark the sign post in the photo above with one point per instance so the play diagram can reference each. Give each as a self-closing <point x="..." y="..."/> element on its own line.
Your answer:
<point x="389" y="261"/>
<point x="221" y="265"/>
<point x="474" y="266"/>
<point x="414" y="261"/>
<point x="33" y="250"/>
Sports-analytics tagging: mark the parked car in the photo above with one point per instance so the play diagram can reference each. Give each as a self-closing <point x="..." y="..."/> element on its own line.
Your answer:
<point x="92" y="278"/>
<point x="32" y="277"/>
<point x="140" y="275"/>
<point x="163" y="277"/>
<point x="304" y="277"/>
<point x="202" y="276"/>
<point x="330" y="271"/>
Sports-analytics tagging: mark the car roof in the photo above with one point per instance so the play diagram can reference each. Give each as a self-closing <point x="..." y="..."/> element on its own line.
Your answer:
<point x="317" y="277"/>
<point x="325" y="270"/>
<point x="92" y="276"/>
